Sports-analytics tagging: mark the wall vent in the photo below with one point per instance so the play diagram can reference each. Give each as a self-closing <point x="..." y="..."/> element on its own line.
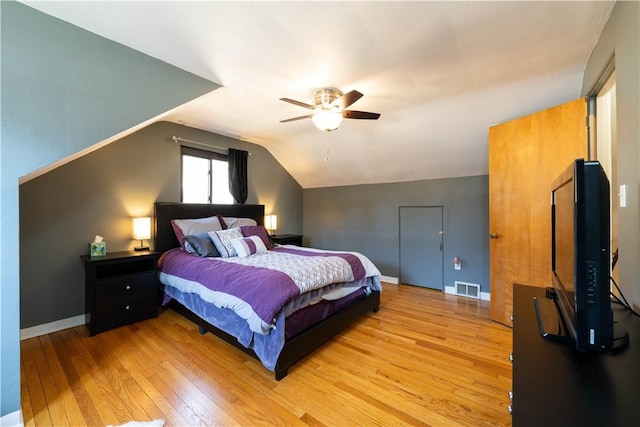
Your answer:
<point x="470" y="290"/>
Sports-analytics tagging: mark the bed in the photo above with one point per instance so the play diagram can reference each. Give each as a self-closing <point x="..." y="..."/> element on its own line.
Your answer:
<point x="301" y="320"/>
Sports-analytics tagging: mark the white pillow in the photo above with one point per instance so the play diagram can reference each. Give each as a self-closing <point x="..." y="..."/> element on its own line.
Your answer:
<point x="222" y="241"/>
<point x="233" y="222"/>
<point x="248" y="246"/>
<point x="188" y="227"/>
<point x="198" y="225"/>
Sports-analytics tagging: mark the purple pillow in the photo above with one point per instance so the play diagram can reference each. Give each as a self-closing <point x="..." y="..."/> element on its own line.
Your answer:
<point x="178" y="233"/>
<point x="257" y="230"/>
<point x="223" y="224"/>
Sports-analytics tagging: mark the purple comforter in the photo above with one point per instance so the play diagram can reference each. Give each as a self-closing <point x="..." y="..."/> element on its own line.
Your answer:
<point x="250" y="290"/>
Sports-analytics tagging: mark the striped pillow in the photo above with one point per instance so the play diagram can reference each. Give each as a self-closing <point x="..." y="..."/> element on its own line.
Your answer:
<point x="222" y="240"/>
<point x="257" y="230"/>
<point x="248" y="246"/>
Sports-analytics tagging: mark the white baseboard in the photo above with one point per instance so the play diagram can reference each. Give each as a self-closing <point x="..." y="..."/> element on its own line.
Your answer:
<point x="47" y="328"/>
<point x="389" y="279"/>
<point x="485" y="296"/>
<point x="13" y="419"/>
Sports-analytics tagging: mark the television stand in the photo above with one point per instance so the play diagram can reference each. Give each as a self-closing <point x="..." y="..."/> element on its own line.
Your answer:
<point x="554" y="384"/>
<point x="620" y="337"/>
<point x="552" y="325"/>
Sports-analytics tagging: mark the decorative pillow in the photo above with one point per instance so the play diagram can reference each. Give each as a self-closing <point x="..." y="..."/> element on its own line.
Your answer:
<point x="257" y="230"/>
<point x="222" y="240"/>
<point x="187" y="227"/>
<point x="233" y="222"/>
<point x="248" y="246"/>
<point x="200" y="244"/>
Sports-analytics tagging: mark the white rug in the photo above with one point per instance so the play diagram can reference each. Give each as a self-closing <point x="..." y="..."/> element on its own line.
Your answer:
<point x="154" y="423"/>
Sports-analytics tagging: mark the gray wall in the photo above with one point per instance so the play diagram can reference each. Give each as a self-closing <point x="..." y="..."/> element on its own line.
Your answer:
<point x="99" y="193"/>
<point x="621" y="36"/>
<point x="63" y="90"/>
<point x="365" y="218"/>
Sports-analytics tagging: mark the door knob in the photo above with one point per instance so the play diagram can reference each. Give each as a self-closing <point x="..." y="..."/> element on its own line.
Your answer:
<point x="493" y="235"/>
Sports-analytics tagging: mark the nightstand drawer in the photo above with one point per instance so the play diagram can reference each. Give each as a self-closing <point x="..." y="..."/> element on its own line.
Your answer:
<point x="124" y="287"/>
<point x="121" y="312"/>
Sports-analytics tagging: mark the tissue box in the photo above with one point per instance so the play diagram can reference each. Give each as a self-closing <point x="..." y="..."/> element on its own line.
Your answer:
<point x="98" y="249"/>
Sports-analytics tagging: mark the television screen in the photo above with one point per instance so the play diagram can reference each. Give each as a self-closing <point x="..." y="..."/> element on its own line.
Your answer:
<point x="564" y="249"/>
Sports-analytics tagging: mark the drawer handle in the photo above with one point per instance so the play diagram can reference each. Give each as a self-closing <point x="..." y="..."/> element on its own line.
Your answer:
<point x="128" y="287"/>
<point x="510" y="409"/>
<point x="511" y="357"/>
<point x="127" y="307"/>
<point x="511" y="395"/>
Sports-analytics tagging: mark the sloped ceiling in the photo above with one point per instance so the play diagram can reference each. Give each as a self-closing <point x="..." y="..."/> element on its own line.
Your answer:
<point x="440" y="73"/>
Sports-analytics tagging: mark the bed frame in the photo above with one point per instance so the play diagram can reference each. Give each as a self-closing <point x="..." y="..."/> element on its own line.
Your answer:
<point x="295" y="348"/>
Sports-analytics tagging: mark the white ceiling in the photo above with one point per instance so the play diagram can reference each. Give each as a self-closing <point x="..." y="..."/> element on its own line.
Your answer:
<point x="440" y="73"/>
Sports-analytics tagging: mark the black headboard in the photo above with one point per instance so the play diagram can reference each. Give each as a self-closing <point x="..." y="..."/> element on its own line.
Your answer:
<point x="166" y="211"/>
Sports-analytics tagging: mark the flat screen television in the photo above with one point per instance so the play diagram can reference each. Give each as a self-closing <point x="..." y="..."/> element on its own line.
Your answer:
<point x="580" y="251"/>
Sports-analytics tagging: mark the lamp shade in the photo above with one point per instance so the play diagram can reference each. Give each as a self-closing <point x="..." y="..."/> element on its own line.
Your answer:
<point x="271" y="222"/>
<point x="142" y="228"/>
<point x="327" y="120"/>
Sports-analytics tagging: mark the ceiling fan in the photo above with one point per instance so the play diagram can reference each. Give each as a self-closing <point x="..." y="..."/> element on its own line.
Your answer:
<point x="329" y="108"/>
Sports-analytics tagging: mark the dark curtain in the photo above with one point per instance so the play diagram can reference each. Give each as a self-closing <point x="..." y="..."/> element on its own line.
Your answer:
<point x="238" y="175"/>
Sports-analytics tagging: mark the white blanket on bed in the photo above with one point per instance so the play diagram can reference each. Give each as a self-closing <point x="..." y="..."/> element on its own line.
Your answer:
<point x="308" y="273"/>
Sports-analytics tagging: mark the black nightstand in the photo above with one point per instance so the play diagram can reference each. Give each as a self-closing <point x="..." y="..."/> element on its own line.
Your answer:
<point x="288" y="239"/>
<point x="120" y="288"/>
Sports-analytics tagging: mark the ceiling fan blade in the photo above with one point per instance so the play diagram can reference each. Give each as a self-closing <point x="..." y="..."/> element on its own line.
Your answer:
<point x="298" y="103"/>
<point x="308" y="116"/>
<point x="351" y="114"/>
<point x="347" y="99"/>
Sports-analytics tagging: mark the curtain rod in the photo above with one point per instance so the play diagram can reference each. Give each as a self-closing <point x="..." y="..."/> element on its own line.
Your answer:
<point x="177" y="138"/>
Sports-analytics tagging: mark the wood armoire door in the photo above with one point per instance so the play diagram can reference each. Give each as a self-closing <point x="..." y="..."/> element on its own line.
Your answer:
<point x="525" y="155"/>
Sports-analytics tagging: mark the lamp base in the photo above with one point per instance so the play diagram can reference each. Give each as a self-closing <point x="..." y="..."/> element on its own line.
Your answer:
<point x="141" y="248"/>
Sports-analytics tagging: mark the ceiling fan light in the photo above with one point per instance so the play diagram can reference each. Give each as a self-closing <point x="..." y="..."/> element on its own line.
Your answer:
<point x="327" y="120"/>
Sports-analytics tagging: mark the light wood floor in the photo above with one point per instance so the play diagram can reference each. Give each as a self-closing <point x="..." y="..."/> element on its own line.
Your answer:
<point x="425" y="358"/>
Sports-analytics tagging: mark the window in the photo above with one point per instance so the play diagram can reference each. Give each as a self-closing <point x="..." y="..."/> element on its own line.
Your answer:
<point x="205" y="177"/>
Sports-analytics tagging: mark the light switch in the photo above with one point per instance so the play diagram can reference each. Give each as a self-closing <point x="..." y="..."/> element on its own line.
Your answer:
<point x="623" y="196"/>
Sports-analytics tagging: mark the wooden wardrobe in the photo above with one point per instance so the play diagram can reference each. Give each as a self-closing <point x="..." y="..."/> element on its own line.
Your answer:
<point x="525" y="155"/>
